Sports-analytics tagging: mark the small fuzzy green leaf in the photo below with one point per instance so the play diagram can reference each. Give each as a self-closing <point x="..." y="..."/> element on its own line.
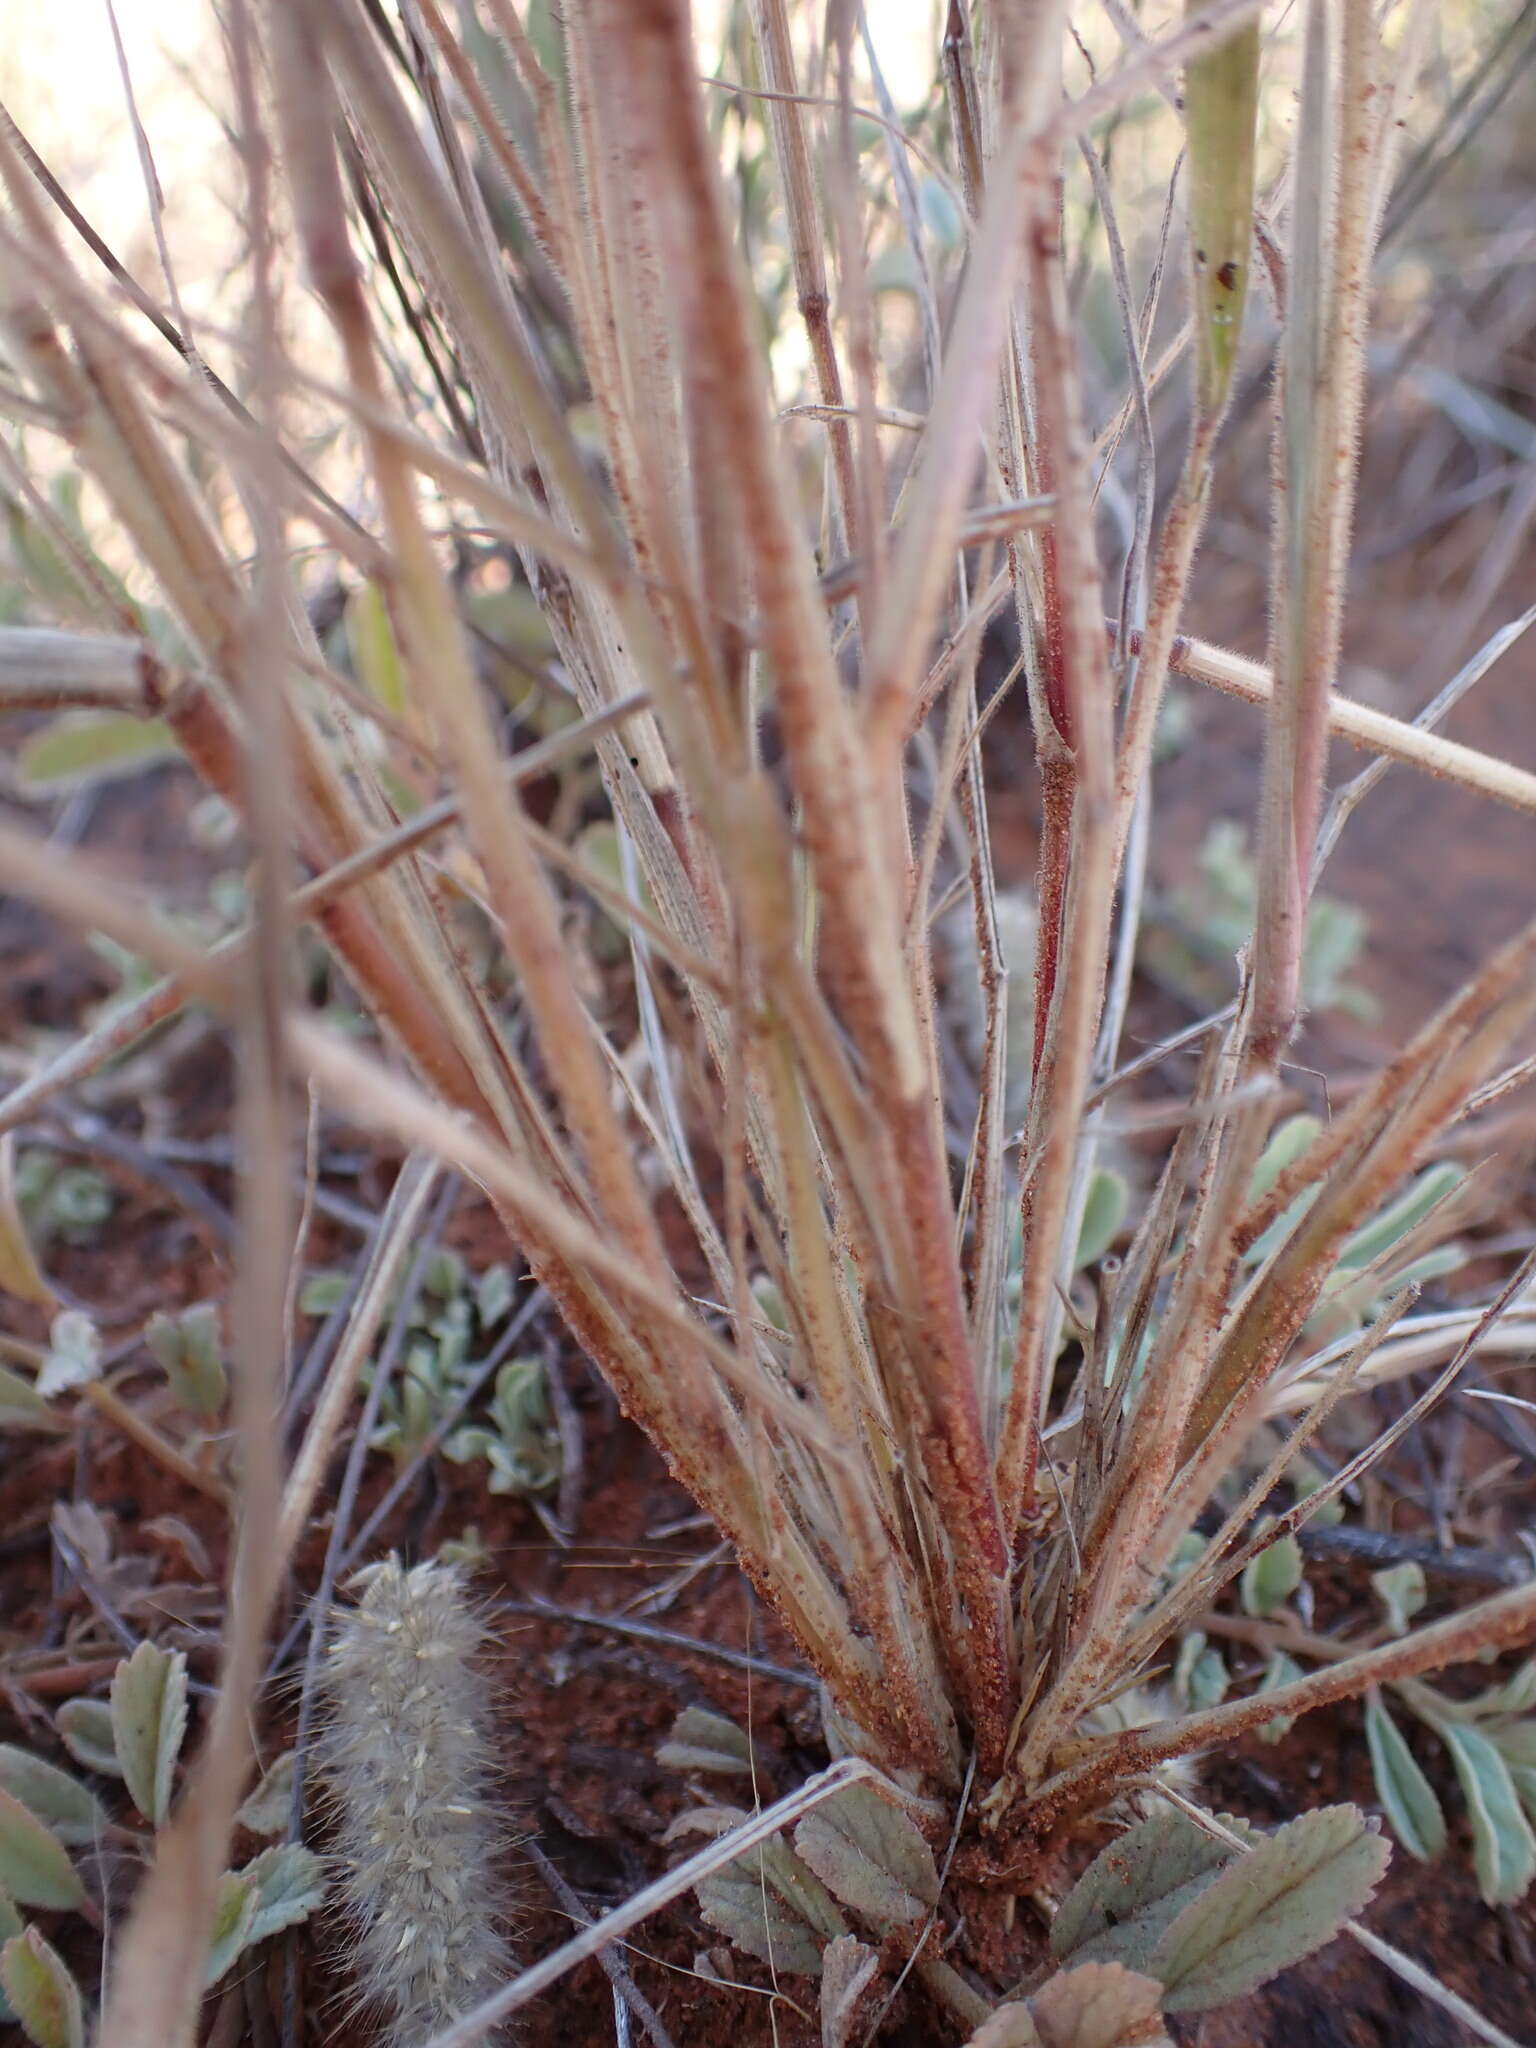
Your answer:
<point x="1221" y="95"/>
<point x="1099" y="2005"/>
<point x="81" y="748"/>
<point x="1401" y="1591"/>
<point x="1272" y="1577"/>
<point x="1280" y="1670"/>
<point x="1516" y="1695"/>
<point x="149" y="1719"/>
<point x="21" y="1405"/>
<point x="1397" y="1218"/>
<point x="1523" y="1778"/>
<point x="59" y="1801"/>
<point x="703" y="1741"/>
<point x="1134" y="1890"/>
<point x="74" y="1354"/>
<point x="10" y="1927"/>
<point x="35" y="1869"/>
<point x="1200" y="1675"/>
<point x="321" y="1292"/>
<point x="1109" y="1197"/>
<point x="290" y="1883"/>
<point x="871" y="1856"/>
<point x="1285" y="1898"/>
<point x="771" y="1906"/>
<point x="848" y="1968"/>
<point x="493" y="1295"/>
<point x="234" y="1916"/>
<point x="1406" y="1794"/>
<point x="85" y="1729"/>
<point x="41" y="1992"/>
<point x="267" y="1809"/>
<point x="1286" y="1145"/>
<point x="1503" y="1846"/>
<point x="371" y="644"/>
<point x="189" y="1351"/>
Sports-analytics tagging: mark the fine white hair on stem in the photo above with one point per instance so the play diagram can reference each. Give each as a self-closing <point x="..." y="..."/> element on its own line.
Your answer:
<point x="406" y="1750"/>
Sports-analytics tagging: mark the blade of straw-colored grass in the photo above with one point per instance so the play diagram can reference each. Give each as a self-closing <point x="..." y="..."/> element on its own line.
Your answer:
<point x="398" y="1230"/>
<point x="1322" y="379"/>
<point x="190" y="1856"/>
<point x="524" y="904"/>
<point x="1505" y="1621"/>
<point x="1268" y="1320"/>
<point x="1354" y="1468"/>
<point x="770" y="24"/>
<point x="1075" y="746"/>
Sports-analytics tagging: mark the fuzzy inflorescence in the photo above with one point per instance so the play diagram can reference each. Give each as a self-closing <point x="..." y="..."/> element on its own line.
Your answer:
<point x="406" y="1750"/>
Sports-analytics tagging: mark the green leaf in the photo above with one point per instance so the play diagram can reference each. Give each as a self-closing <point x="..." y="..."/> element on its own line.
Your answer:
<point x="1397" y="1218"/>
<point x="848" y="1968"/>
<point x="10" y="1927"/>
<point x="84" y="747"/>
<point x="188" y="1350"/>
<point x="1099" y="2005"/>
<point x="1133" y="1891"/>
<point x="1272" y="1577"/>
<point x="234" y="1915"/>
<point x="149" y="1719"/>
<point x="871" y="1856"/>
<point x="85" y="1728"/>
<point x="1523" y="1778"/>
<point x="493" y="1295"/>
<point x="1285" y="1898"/>
<point x="767" y="1902"/>
<point x="21" y="1405"/>
<point x="321" y="1292"/>
<point x="1285" y="1146"/>
<point x="1516" y="1695"/>
<point x="371" y="644"/>
<point x="1200" y="1675"/>
<point x="1109" y="1197"/>
<point x="59" y="1801"/>
<point x="1281" y="1669"/>
<point x="41" y="1992"/>
<point x="289" y="1882"/>
<point x="1221" y="93"/>
<point x="267" y="1810"/>
<point x="35" y="1869"/>
<point x="704" y="1741"/>
<point x="1503" y="1846"/>
<point x="1401" y="1591"/>
<point x="1405" y="1793"/>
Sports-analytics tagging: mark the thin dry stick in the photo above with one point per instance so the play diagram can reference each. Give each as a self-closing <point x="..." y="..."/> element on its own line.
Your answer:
<point x="397" y="1233"/>
<point x="1361" y="726"/>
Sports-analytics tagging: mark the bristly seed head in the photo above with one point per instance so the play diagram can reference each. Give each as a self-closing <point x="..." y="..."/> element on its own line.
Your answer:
<point x="407" y="1756"/>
